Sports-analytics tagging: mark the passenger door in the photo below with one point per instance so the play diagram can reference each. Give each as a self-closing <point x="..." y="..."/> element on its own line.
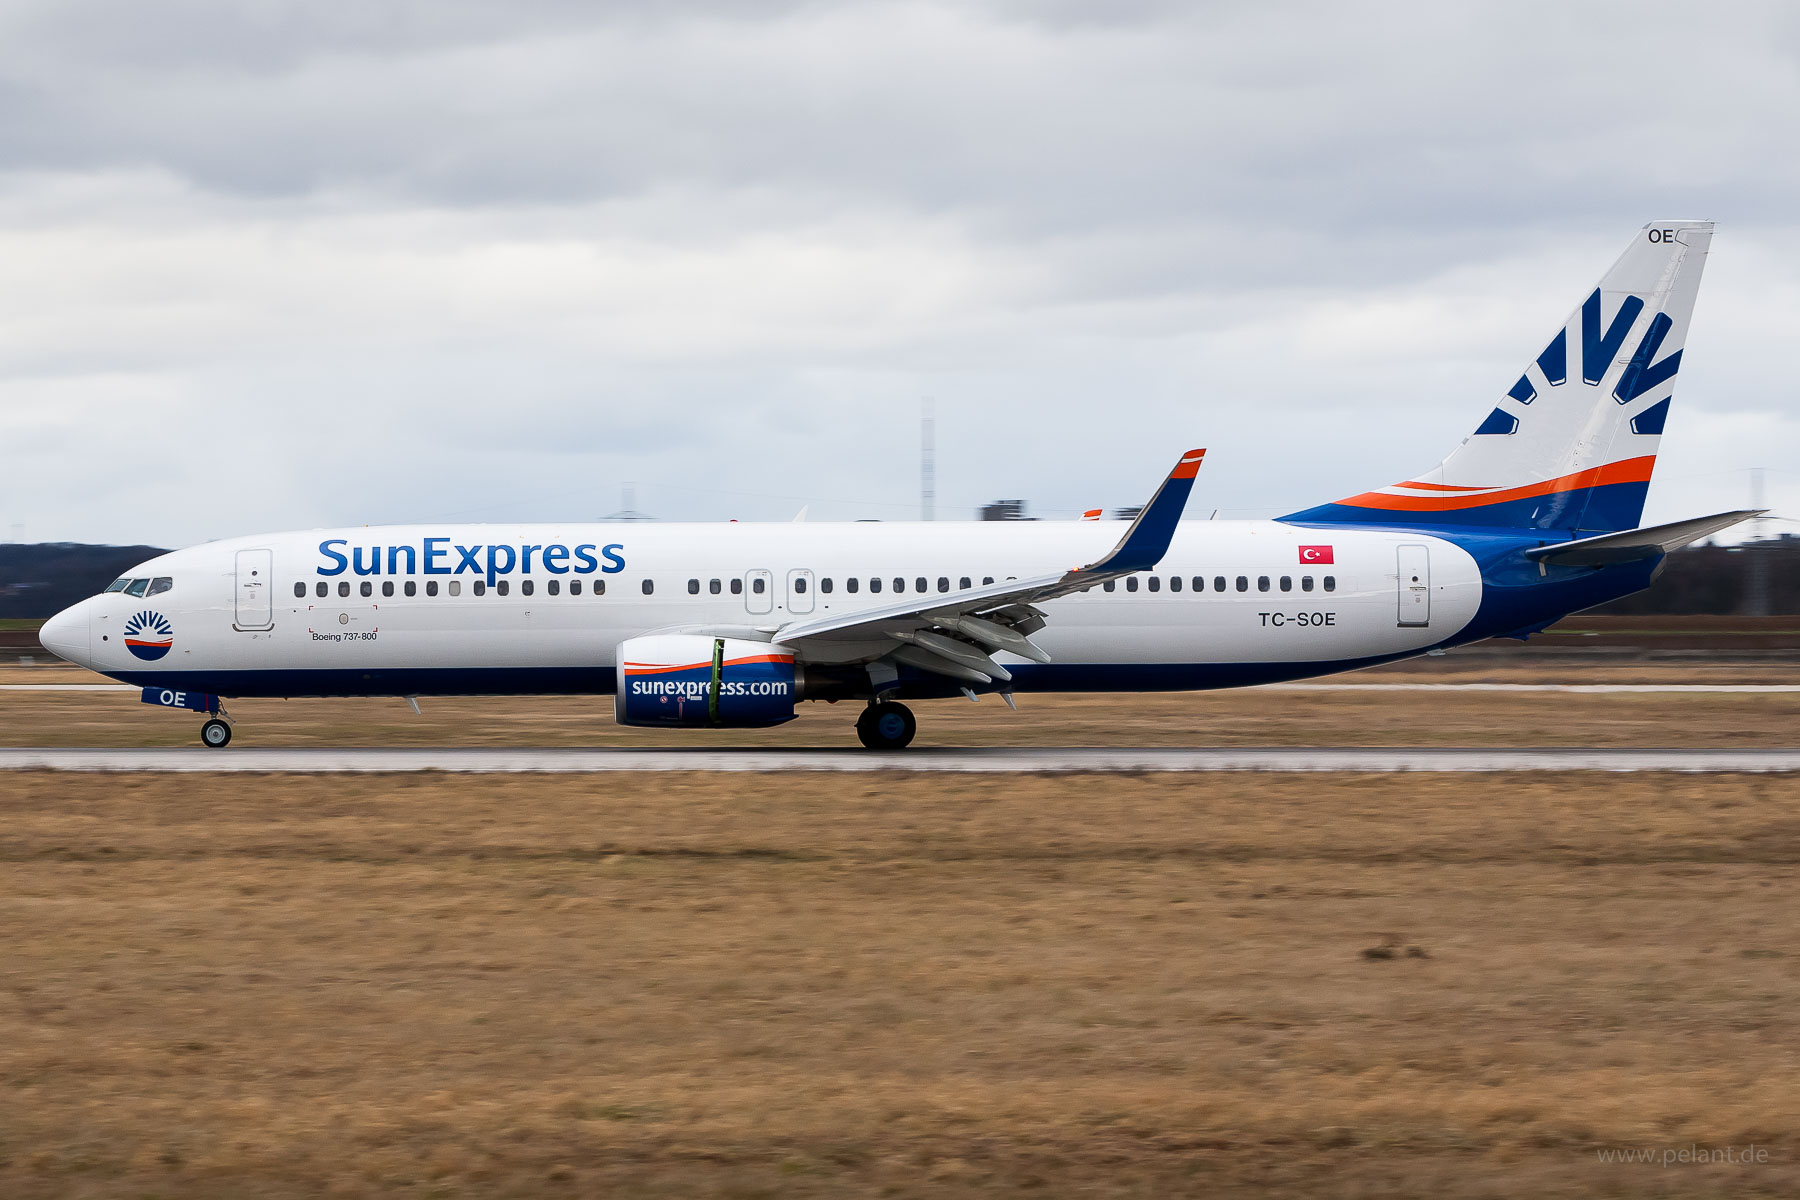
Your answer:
<point x="1414" y="582"/>
<point x="254" y="604"/>
<point x="800" y="590"/>
<point x="759" y="591"/>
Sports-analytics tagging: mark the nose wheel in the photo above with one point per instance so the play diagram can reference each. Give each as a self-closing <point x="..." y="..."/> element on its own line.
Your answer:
<point x="215" y="734"/>
<point x="886" y="726"/>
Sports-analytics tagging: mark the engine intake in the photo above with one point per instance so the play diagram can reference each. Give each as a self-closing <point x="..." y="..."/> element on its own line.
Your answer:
<point x="704" y="682"/>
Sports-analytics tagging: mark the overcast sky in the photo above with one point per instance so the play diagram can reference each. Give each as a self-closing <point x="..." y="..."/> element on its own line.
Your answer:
<point x="276" y="264"/>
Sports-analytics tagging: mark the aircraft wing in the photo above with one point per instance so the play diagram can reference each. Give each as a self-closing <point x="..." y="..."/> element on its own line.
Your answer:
<point x="955" y="633"/>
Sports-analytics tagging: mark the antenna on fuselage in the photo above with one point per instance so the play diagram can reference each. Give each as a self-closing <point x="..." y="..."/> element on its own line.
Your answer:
<point x="628" y="506"/>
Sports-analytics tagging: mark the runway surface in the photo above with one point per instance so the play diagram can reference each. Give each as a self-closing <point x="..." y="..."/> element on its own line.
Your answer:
<point x="1595" y="688"/>
<point x="1038" y="759"/>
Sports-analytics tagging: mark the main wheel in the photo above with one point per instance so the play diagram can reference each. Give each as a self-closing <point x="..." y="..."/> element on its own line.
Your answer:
<point x="216" y="734"/>
<point x="886" y="726"/>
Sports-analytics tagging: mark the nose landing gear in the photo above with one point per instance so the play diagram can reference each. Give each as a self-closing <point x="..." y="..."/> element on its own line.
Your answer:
<point x="215" y="734"/>
<point x="886" y="725"/>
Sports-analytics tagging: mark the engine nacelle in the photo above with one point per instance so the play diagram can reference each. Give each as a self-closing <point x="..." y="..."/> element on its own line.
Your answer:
<point x="692" y="680"/>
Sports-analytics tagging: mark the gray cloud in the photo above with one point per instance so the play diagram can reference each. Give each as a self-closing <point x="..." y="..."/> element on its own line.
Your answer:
<point x="384" y="260"/>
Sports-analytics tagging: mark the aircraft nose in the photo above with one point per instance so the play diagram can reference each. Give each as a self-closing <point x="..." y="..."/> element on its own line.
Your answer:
<point x="66" y="634"/>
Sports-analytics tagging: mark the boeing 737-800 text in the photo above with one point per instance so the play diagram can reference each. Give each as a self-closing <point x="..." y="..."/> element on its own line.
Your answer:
<point x="1532" y="517"/>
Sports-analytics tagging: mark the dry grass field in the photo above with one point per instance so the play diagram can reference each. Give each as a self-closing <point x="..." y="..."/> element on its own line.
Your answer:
<point x="692" y="985"/>
<point x="1248" y="717"/>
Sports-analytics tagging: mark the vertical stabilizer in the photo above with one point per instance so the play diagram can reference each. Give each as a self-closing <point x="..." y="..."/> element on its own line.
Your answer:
<point x="1571" y="445"/>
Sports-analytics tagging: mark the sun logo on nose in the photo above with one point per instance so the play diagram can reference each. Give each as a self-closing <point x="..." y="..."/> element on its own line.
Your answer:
<point x="149" y="635"/>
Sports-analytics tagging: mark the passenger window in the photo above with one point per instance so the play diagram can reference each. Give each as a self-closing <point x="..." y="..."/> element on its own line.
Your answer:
<point x="988" y="579"/>
<point x="825" y="585"/>
<point x="875" y="584"/>
<point x="1199" y="583"/>
<point x="1174" y="583"/>
<point x="1243" y="583"/>
<point x="1306" y="583"/>
<point x="1262" y="583"/>
<point x="387" y="588"/>
<point x="1331" y="583"/>
<point x="574" y="587"/>
<point x="323" y="589"/>
<point x="526" y="587"/>
<point x="117" y="585"/>
<point x="963" y="584"/>
<point x="1110" y="585"/>
<point x="160" y="585"/>
<point x="299" y="590"/>
<point x="919" y="584"/>
<point x="799" y="584"/>
<point x="1287" y="583"/>
<point x="599" y="587"/>
<point x="503" y="587"/>
<point x="479" y="588"/>
<point x="713" y="586"/>
<point x="554" y="587"/>
<point x="1131" y="583"/>
<point x="455" y="586"/>
<point x="368" y="589"/>
<point x="851" y="584"/>
<point x="343" y="587"/>
<point x="136" y="588"/>
<point x="737" y="587"/>
<point x="411" y="589"/>
<point x="650" y="586"/>
<point x="899" y="585"/>
<point x="1154" y="583"/>
<point x="693" y="587"/>
<point x="756" y="585"/>
<point x="943" y="583"/>
<point x="1218" y="583"/>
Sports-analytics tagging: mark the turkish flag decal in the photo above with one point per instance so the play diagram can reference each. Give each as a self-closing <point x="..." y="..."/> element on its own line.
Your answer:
<point x="1316" y="554"/>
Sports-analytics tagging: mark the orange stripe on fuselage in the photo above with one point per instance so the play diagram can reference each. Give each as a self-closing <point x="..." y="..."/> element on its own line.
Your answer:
<point x="654" y="669"/>
<point x="1631" y="470"/>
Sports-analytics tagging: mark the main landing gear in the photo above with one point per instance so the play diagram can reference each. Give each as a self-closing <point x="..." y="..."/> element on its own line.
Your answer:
<point x="886" y="726"/>
<point x="216" y="734"/>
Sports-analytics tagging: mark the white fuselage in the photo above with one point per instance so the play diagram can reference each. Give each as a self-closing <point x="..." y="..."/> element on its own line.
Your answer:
<point x="246" y="616"/>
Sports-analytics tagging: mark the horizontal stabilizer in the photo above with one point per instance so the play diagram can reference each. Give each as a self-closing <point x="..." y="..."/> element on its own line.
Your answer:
<point x="1638" y="543"/>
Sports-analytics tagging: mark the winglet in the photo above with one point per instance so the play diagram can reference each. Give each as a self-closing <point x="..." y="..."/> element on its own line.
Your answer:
<point x="1148" y="539"/>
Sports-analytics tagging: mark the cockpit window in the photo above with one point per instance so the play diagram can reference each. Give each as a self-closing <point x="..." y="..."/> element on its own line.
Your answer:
<point x="159" y="585"/>
<point x="136" y="587"/>
<point x="117" y="585"/>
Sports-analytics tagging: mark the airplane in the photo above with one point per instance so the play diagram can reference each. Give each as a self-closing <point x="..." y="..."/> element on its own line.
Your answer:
<point x="731" y="626"/>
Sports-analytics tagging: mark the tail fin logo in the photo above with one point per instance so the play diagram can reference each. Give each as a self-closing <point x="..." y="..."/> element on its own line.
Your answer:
<point x="1600" y="345"/>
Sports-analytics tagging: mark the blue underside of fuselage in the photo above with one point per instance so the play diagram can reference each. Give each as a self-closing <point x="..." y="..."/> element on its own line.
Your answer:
<point x="547" y="681"/>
